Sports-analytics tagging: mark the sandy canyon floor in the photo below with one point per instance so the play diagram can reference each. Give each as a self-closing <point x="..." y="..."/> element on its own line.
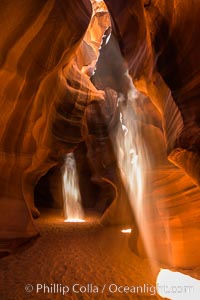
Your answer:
<point x="85" y="260"/>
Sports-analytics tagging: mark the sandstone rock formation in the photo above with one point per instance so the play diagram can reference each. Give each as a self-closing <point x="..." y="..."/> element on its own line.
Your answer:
<point x="58" y="95"/>
<point x="43" y="100"/>
<point x="159" y="40"/>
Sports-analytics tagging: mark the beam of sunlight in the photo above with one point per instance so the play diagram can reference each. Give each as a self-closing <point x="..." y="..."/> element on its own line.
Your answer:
<point x="129" y="148"/>
<point x="177" y="286"/>
<point x="128" y="230"/>
<point x="73" y="211"/>
<point x="133" y="159"/>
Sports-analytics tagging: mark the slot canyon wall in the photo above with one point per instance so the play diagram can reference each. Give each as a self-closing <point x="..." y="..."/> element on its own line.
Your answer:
<point x="49" y="107"/>
<point x="159" y="40"/>
<point x="43" y="101"/>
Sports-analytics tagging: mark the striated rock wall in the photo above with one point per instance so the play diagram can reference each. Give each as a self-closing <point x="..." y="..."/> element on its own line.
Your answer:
<point x="43" y="100"/>
<point x="50" y="107"/>
<point x="160" y="41"/>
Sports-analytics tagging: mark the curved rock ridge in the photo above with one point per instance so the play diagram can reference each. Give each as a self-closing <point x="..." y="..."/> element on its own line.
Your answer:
<point x="43" y="99"/>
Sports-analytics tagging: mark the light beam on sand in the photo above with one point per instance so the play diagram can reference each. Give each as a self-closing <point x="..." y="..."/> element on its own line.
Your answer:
<point x="177" y="286"/>
<point x="74" y="220"/>
<point x="73" y="211"/>
<point x="128" y="230"/>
